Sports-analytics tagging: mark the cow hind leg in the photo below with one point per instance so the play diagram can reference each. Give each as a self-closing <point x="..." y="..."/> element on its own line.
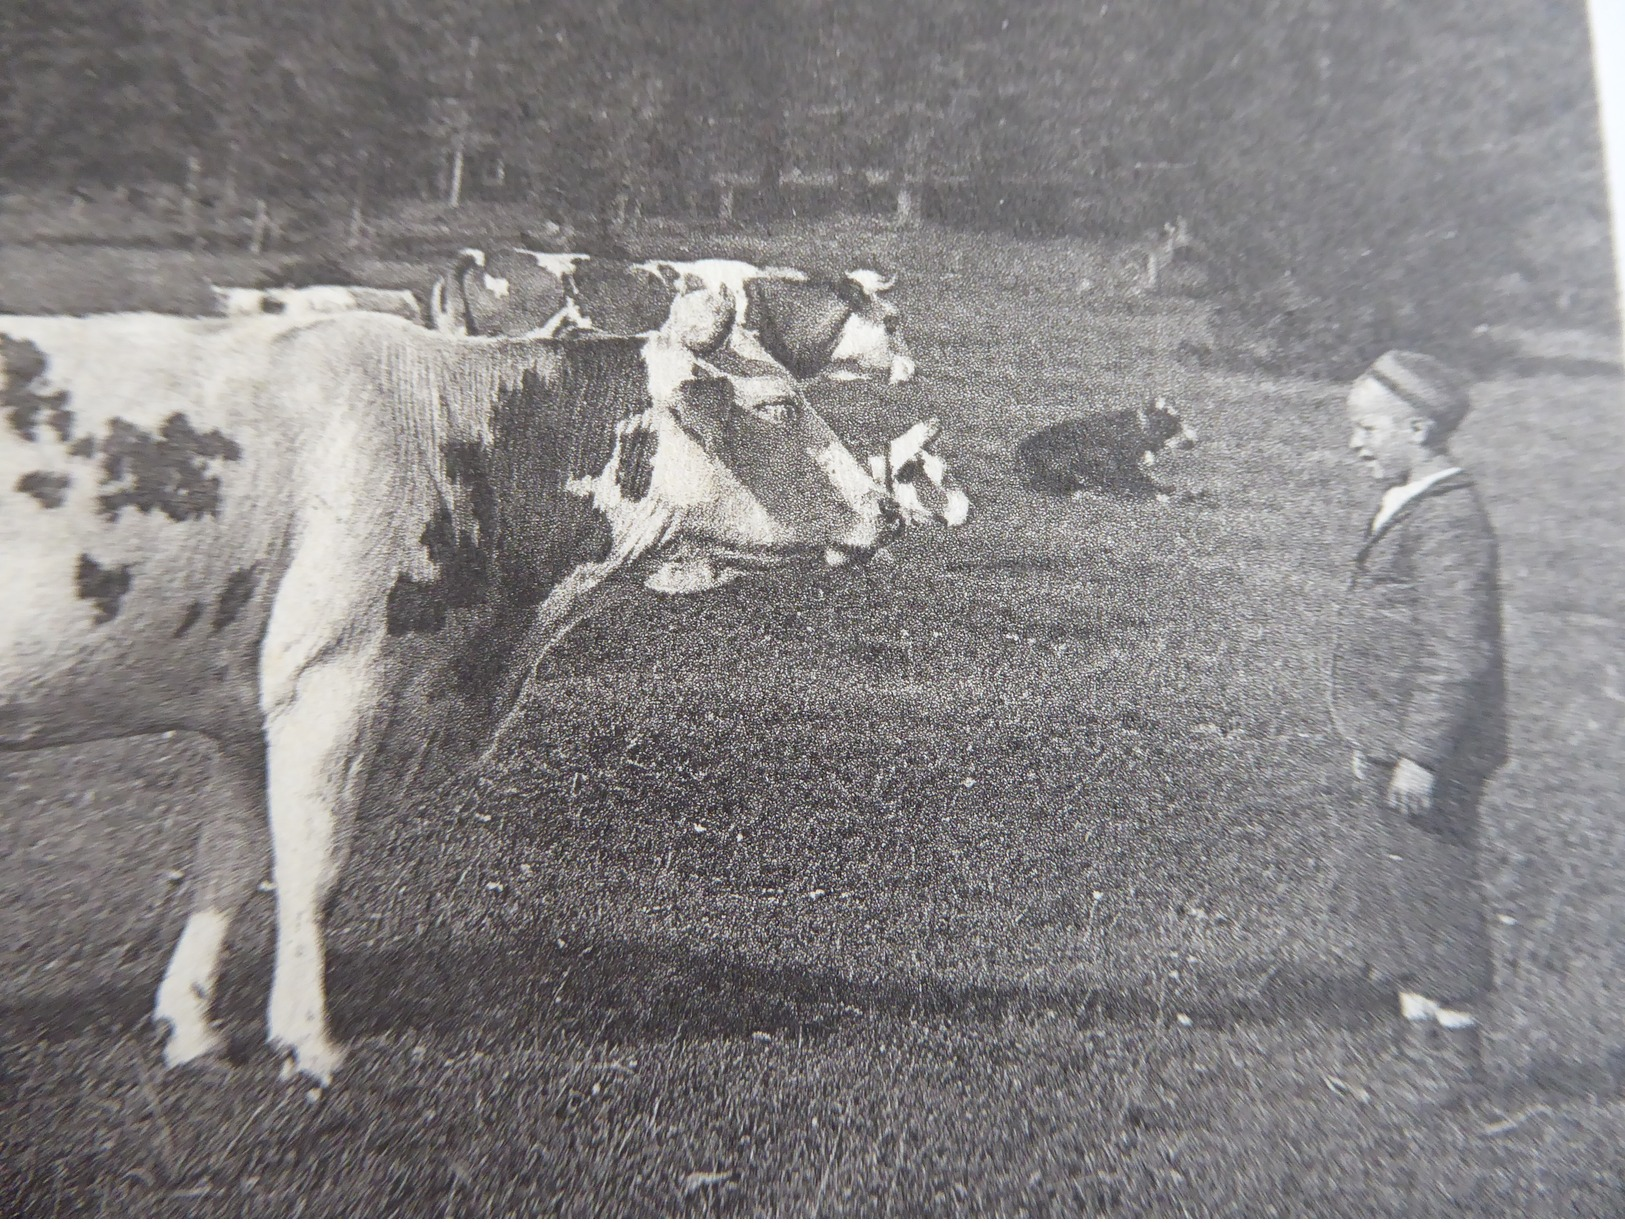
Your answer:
<point x="316" y="771"/>
<point x="229" y="861"/>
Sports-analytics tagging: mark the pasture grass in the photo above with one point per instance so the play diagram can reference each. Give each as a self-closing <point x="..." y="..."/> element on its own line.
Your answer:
<point x="998" y="879"/>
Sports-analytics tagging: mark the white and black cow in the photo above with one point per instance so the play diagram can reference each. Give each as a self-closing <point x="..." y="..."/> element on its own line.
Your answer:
<point x="317" y="299"/>
<point x="510" y="292"/>
<point x="308" y="539"/>
<point x="842" y="327"/>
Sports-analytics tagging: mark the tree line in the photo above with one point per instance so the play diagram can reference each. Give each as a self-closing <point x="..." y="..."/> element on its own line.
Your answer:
<point x="1341" y="142"/>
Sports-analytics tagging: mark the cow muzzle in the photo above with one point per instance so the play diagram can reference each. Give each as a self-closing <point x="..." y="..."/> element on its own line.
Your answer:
<point x="879" y="531"/>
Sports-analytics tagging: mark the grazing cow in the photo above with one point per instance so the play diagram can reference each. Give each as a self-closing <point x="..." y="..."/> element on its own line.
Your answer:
<point x="318" y="299"/>
<point x="1108" y="452"/>
<point x="310" y="539"/>
<point x="841" y="327"/>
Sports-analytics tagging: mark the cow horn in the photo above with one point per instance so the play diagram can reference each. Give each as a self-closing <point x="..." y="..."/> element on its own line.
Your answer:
<point x="870" y="280"/>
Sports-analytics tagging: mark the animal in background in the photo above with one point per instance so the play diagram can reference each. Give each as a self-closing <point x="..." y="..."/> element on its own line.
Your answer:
<point x="1105" y="452"/>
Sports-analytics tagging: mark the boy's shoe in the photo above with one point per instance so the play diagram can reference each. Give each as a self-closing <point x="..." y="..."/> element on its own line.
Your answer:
<point x="1433" y="1067"/>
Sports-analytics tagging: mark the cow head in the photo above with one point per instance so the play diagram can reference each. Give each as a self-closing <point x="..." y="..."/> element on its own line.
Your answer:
<point x="918" y="478"/>
<point x="1164" y="428"/>
<point x="754" y="476"/>
<point x="870" y="342"/>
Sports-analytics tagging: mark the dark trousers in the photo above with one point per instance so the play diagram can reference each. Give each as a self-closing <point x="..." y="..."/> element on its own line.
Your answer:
<point x="1422" y="899"/>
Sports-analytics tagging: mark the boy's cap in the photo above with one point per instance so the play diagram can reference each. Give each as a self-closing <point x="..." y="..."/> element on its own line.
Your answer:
<point x="1430" y="386"/>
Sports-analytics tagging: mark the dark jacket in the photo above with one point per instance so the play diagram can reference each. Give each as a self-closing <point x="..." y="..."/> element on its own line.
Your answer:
<point x="1418" y="670"/>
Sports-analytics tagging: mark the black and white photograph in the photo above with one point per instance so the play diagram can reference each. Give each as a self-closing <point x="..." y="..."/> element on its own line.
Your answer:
<point x="809" y="608"/>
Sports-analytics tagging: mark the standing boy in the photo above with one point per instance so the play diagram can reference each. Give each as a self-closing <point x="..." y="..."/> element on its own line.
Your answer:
<point x="1418" y="692"/>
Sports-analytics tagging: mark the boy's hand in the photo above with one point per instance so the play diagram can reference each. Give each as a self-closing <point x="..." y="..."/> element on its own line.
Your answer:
<point x="1411" y="789"/>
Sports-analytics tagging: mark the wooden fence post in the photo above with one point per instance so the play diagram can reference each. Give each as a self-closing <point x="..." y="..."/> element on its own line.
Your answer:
<point x="262" y="223"/>
<point x="189" y="200"/>
<point x="908" y="206"/>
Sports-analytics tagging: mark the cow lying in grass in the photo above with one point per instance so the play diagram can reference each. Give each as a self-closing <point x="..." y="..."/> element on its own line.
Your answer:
<point x="1107" y="452"/>
<point x="309" y="538"/>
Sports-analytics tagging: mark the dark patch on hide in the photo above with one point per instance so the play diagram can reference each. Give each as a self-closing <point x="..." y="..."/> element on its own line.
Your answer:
<point x="194" y="613"/>
<point x="105" y="588"/>
<point x="24" y="365"/>
<point x="534" y="294"/>
<point x="462" y="579"/>
<point x="169" y="472"/>
<point x="545" y="436"/>
<point x="798" y="322"/>
<point x="234" y="596"/>
<point x="635" y="472"/>
<point x="49" y="488"/>
<point x="461" y="559"/>
<point x="528" y="532"/>
<point x="84" y="448"/>
<point x="619" y="299"/>
<point x="705" y="410"/>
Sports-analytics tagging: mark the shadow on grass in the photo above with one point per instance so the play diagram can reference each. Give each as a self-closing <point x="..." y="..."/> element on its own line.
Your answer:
<point x="623" y="991"/>
<point x="1599" y="1077"/>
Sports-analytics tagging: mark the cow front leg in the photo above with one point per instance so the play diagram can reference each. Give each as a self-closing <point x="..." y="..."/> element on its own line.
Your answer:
<point x="315" y="744"/>
<point x="229" y="861"/>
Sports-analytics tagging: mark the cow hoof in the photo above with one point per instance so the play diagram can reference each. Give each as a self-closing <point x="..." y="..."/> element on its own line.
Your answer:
<point x="191" y="1044"/>
<point x="315" y="1062"/>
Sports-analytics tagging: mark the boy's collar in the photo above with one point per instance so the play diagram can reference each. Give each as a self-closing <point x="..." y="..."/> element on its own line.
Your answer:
<point x="1445" y="480"/>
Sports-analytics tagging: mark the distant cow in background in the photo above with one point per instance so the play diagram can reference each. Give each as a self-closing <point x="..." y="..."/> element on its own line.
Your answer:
<point x="1107" y="452"/>
<point x="842" y="327"/>
<point x="317" y="299"/>
<point x="506" y="292"/>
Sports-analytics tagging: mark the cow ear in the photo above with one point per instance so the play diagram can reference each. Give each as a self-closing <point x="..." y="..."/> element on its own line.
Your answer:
<point x="852" y="292"/>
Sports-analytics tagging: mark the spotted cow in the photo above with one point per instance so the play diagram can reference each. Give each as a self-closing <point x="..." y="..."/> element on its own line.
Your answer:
<point x="314" y="540"/>
<point x="843" y="328"/>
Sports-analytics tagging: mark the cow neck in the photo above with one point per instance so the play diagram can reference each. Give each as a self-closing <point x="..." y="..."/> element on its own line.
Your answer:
<point x="550" y="435"/>
<point x="798" y="323"/>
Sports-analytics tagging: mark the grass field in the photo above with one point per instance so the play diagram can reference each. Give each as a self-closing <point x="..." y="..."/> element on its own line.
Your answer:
<point x="996" y="879"/>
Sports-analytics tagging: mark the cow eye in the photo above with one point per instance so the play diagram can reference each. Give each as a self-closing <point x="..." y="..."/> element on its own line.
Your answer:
<point x="783" y="412"/>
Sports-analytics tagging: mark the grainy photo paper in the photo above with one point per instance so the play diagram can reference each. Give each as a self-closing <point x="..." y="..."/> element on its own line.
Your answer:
<point x="805" y="608"/>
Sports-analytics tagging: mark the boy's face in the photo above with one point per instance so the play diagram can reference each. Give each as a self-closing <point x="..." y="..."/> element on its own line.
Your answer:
<point x="1387" y="433"/>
